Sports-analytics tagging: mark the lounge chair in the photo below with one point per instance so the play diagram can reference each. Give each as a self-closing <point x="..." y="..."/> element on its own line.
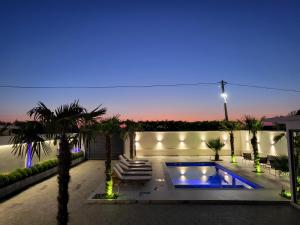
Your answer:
<point x="138" y="178"/>
<point x="247" y="157"/>
<point x="134" y="161"/>
<point x="130" y="172"/>
<point x="123" y="160"/>
<point x="263" y="161"/>
<point x="140" y="168"/>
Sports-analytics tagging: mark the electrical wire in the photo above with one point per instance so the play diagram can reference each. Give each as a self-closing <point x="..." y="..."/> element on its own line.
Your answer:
<point x="109" y="87"/>
<point x="149" y="86"/>
<point x="264" y="87"/>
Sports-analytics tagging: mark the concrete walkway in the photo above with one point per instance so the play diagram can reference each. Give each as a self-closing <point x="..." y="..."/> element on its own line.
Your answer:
<point x="37" y="206"/>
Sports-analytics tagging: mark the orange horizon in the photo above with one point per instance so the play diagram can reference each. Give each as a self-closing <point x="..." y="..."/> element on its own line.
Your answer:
<point x="170" y="117"/>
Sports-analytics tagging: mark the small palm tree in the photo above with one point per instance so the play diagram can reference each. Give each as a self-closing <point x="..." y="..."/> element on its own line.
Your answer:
<point x="130" y="128"/>
<point x="216" y="145"/>
<point x="253" y="125"/>
<point x="63" y="125"/>
<point x="109" y="127"/>
<point x="231" y="126"/>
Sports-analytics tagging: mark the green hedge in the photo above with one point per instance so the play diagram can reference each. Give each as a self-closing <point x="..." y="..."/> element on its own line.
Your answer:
<point x="20" y="174"/>
<point x="169" y="125"/>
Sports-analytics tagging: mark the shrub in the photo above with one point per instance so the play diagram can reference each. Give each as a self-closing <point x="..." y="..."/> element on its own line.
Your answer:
<point x="77" y="155"/>
<point x="20" y="174"/>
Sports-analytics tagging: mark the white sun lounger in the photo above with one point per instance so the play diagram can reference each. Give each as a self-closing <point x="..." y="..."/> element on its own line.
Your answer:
<point x="134" y="163"/>
<point x="130" y="172"/>
<point x="131" y="178"/>
<point x="130" y="165"/>
<point x="139" y="168"/>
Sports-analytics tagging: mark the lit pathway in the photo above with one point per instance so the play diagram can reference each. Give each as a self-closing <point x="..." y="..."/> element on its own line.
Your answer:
<point x="37" y="206"/>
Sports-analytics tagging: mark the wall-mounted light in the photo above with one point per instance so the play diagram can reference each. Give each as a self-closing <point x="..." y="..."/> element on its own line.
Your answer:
<point x="159" y="137"/>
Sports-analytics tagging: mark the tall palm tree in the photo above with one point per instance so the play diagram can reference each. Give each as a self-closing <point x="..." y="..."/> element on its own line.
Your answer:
<point x="231" y="126"/>
<point x="28" y="141"/>
<point x="108" y="128"/>
<point x="253" y="125"/>
<point x="63" y="125"/>
<point x="216" y="145"/>
<point x="130" y="128"/>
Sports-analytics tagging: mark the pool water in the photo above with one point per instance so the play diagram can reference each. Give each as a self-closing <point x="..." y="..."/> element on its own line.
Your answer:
<point x="206" y="175"/>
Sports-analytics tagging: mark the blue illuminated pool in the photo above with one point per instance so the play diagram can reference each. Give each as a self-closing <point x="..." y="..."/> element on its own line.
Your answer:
<point x="206" y="175"/>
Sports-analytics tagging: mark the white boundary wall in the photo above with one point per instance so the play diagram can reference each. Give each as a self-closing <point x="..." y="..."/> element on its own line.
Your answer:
<point x="193" y="143"/>
<point x="9" y="162"/>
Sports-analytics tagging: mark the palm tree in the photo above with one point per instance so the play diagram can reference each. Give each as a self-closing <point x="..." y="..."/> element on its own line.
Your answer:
<point x="231" y="126"/>
<point x="27" y="141"/>
<point x="63" y="125"/>
<point x="109" y="127"/>
<point x="296" y="144"/>
<point x="130" y="128"/>
<point x="216" y="145"/>
<point x="253" y="125"/>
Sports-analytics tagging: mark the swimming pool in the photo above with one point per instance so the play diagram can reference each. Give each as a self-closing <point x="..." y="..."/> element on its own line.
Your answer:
<point x="206" y="175"/>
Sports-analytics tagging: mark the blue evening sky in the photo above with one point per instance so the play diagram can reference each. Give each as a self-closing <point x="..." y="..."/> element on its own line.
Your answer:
<point x="100" y="43"/>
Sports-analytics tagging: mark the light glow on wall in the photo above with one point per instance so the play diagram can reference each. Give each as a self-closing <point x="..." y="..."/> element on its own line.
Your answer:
<point x="182" y="145"/>
<point x="273" y="150"/>
<point x="159" y="137"/>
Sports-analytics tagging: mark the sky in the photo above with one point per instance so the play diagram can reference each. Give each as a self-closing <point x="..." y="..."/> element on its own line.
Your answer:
<point x="100" y="43"/>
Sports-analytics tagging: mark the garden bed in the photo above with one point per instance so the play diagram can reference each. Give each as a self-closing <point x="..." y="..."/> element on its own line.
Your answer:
<point x="21" y="179"/>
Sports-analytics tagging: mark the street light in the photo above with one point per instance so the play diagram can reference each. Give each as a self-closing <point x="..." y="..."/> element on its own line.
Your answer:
<point x="224" y="96"/>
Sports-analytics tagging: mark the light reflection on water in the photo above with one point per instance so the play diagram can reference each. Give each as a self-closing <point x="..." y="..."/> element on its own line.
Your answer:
<point x="204" y="176"/>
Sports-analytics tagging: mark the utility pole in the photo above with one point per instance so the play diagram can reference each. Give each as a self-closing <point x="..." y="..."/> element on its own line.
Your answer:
<point x="224" y="96"/>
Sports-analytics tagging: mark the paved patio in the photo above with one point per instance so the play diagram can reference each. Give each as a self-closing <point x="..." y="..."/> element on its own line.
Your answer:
<point x="37" y="205"/>
<point x="160" y="188"/>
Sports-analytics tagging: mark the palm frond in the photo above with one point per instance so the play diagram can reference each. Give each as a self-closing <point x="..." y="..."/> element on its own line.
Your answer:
<point x="29" y="134"/>
<point x="278" y="137"/>
<point x="41" y="112"/>
<point x="215" y="144"/>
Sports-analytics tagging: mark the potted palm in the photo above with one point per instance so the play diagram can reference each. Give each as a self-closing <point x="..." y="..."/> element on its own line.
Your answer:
<point x="216" y="145"/>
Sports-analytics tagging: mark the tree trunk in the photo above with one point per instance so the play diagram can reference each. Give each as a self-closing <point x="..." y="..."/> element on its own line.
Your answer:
<point x="217" y="156"/>
<point x="108" y="181"/>
<point x="131" y="144"/>
<point x="233" y="160"/>
<point x="255" y="153"/>
<point x="64" y="164"/>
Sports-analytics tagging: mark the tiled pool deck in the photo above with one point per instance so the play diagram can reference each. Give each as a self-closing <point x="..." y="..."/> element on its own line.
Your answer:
<point x="161" y="190"/>
<point x="38" y="205"/>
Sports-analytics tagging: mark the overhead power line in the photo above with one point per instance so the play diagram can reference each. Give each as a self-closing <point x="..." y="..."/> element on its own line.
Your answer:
<point x="109" y="86"/>
<point x="149" y="86"/>
<point x="264" y="87"/>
